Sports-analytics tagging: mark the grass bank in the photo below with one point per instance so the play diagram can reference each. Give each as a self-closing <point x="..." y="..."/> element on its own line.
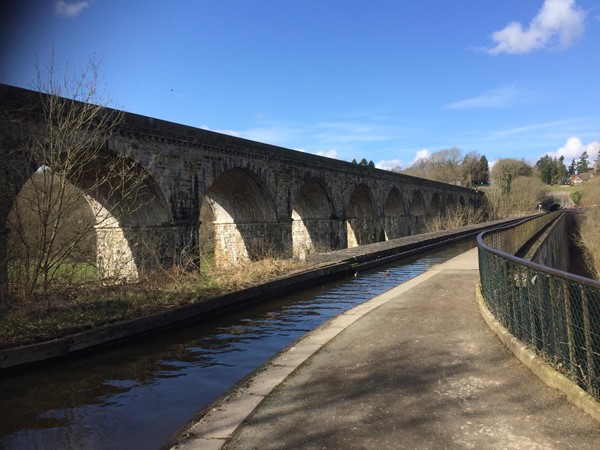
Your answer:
<point x="589" y="236"/>
<point x="89" y="306"/>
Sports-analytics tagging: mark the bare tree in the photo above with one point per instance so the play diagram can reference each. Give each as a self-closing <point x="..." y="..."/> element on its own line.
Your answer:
<point x="443" y="165"/>
<point x="66" y="148"/>
<point x="506" y="170"/>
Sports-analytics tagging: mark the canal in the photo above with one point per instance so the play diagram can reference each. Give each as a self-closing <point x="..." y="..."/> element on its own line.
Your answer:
<point x="137" y="396"/>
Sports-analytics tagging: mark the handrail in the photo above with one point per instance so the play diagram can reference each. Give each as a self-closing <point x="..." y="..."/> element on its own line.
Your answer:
<point x="528" y="263"/>
<point x="555" y="313"/>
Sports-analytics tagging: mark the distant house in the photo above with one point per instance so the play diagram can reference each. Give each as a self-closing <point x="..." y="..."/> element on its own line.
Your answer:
<point x="579" y="179"/>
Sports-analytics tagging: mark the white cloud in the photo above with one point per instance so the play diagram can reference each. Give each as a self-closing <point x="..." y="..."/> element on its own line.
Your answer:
<point x="557" y="20"/>
<point x="496" y="98"/>
<point x="574" y="148"/>
<point x="65" y="9"/>
<point x="328" y="153"/>
<point x="229" y="132"/>
<point x="421" y="154"/>
<point x="389" y="164"/>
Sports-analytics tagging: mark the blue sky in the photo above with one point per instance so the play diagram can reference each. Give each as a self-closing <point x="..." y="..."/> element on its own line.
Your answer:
<point x="387" y="80"/>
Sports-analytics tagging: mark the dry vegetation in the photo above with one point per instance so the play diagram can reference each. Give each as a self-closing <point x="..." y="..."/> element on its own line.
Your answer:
<point x="92" y="305"/>
<point x="589" y="234"/>
<point x="454" y="218"/>
<point x="523" y="197"/>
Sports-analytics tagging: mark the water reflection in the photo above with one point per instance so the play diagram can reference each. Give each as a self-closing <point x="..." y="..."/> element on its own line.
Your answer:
<point x="138" y="396"/>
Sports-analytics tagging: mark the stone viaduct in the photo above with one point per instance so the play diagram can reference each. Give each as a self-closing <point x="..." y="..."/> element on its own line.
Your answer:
<point x="257" y="199"/>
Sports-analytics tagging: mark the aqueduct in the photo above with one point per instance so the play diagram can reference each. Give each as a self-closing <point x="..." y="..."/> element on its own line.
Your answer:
<point x="260" y="198"/>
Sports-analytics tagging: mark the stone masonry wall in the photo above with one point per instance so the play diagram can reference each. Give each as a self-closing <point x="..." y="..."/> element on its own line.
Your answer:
<point x="183" y="163"/>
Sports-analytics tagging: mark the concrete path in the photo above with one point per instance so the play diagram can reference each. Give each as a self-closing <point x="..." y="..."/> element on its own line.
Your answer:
<point x="421" y="370"/>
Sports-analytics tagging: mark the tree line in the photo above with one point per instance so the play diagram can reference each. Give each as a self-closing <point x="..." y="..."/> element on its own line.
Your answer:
<point x="511" y="186"/>
<point x="450" y="166"/>
<point x="554" y="171"/>
<point x="472" y="169"/>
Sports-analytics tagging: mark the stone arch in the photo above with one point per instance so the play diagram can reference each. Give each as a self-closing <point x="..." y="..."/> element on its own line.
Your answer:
<point x="244" y="219"/>
<point x="418" y="213"/>
<point x="361" y="224"/>
<point x="435" y="207"/>
<point x="135" y="232"/>
<point x="394" y="222"/>
<point x="434" y="213"/>
<point x="314" y="224"/>
<point x="131" y="224"/>
<point x="450" y="203"/>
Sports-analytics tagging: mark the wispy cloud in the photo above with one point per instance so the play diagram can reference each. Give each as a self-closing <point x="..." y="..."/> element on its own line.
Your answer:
<point x="275" y="134"/>
<point x="559" y="21"/>
<point x="342" y="139"/>
<point x="555" y="127"/>
<point x="496" y="98"/>
<point x="66" y="9"/>
<point x="349" y="131"/>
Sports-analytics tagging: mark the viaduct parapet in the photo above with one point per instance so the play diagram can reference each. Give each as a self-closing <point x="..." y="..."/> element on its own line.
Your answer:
<point x="256" y="199"/>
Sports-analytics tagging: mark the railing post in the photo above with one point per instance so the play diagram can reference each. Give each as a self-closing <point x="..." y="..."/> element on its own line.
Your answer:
<point x="531" y="308"/>
<point x="569" y="326"/>
<point x="552" y="296"/>
<point x="589" y="343"/>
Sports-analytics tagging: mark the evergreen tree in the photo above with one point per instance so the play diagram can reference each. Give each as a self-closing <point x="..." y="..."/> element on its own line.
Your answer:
<point x="583" y="165"/>
<point x="371" y="164"/>
<point x="544" y="167"/>
<point x="562" y="170"/>
<point x="572" y="168"/>
<point x="363" y="162"/>
<point x="551" y="170"/>
<point x="483" y="171"/>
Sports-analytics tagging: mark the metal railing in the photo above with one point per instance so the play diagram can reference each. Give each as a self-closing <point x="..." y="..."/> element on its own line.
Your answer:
<point x="555" y="313"/>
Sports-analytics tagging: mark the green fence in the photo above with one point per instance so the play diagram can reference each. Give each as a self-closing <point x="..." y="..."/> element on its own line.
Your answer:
<point x="555" y="313"/>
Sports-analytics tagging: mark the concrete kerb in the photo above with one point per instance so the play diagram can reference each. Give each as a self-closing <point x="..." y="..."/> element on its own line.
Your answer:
<point x="537" y="365"/>
<point x="212" y="430"/>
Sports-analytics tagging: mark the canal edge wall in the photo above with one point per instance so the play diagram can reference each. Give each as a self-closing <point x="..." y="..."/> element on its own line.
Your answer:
<point x="349" y="261"/>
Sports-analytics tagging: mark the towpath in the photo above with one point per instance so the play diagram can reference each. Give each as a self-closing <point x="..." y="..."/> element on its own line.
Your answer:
<point x="414" y="368"/>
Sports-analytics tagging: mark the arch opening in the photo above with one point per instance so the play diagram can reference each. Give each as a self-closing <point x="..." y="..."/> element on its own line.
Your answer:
<point x="238" y="220"/>
<point x="314" y="225"/>
<point x="436" y="205"/>
<point x="81" y="225"/>
<point x="361" y="224"/>
<point x="418" y="212"/>
<point x="395" y="223"/>
<point x="450" y="205"/>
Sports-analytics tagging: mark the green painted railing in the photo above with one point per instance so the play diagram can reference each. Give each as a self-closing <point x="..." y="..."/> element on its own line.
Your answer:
<point x="555" y="313"/>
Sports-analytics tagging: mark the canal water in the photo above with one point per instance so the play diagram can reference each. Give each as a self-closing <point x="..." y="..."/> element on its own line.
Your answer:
<point x="138" y="396"/>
